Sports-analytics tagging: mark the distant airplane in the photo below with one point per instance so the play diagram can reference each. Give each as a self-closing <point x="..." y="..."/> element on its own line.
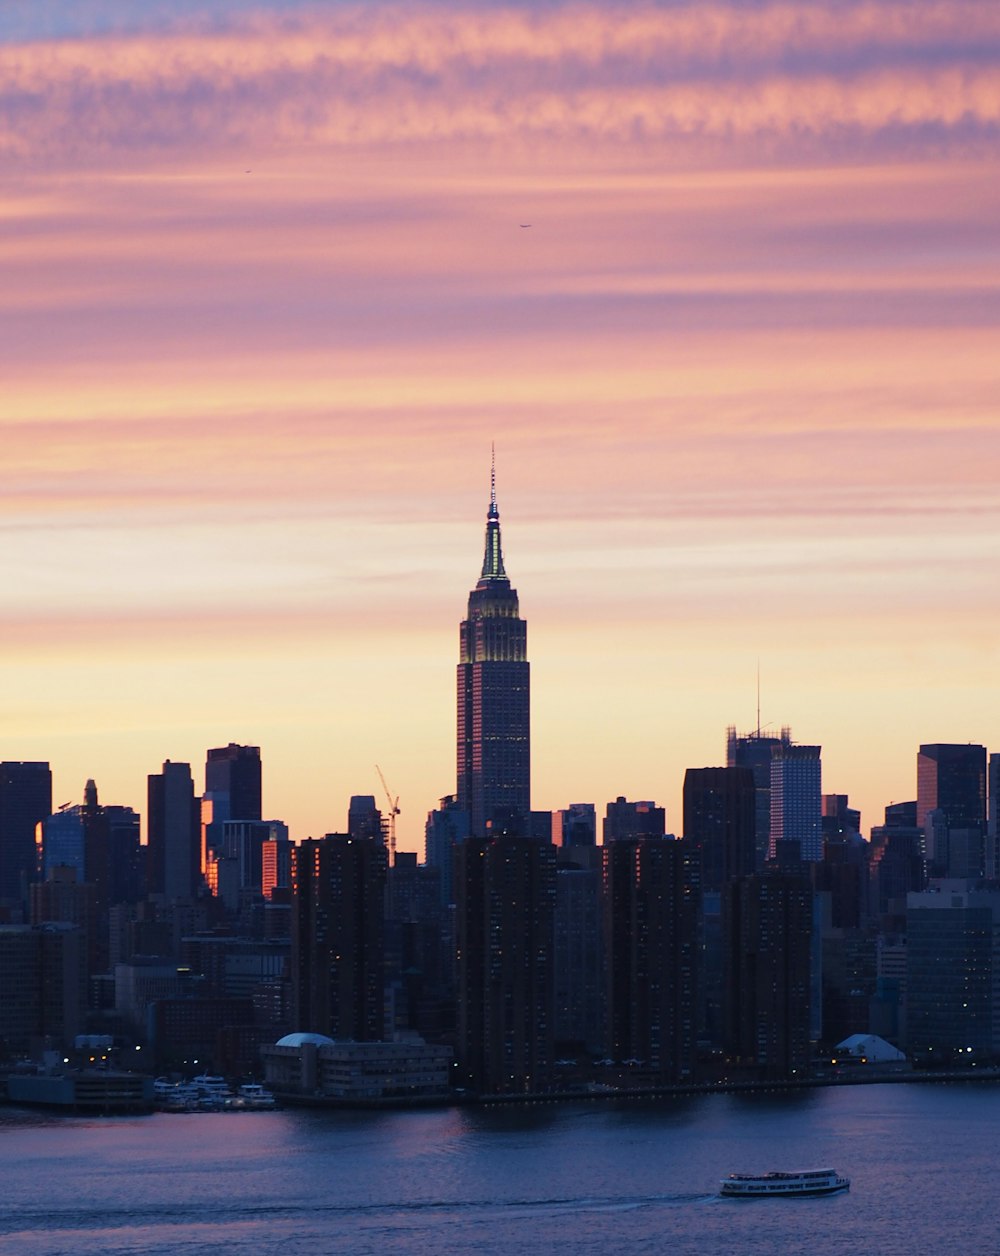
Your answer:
<point x="525" y="224"/>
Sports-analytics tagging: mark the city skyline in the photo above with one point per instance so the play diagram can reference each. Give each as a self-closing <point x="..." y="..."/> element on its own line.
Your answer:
<point x="720" y="281"/>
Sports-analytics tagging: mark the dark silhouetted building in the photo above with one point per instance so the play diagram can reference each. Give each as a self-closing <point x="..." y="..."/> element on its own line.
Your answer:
<point x="494" y="746"/>
<point x="338" y="936"/>
<point x="768" y="922"/>
<point x="505" y="889"/>
<point x="233" y="778"/>
<point x="651" y="954"/>
<point x="25" y="799"/>
<point x="579" y="958"/>
<point x="628" y="821"/>
<point x="719" y="823"/>
<point x="575" y="825"/>
<point x="951" y="799"/>
<point x="174" y="833"/>
<point x="363" y="817"/>
<point x="953" y="974"/>
<point x="445" y="828"/>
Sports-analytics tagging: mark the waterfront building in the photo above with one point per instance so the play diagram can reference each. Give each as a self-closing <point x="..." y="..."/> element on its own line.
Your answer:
<point x="494" y="747"/>
<point x="338" y="936"/>
<point x="768" y="989"/>
<point x="42" y="986"/>
<point x="953" y="973"/>
<point x="315" y="1066"/>
<point x="651" y="954"/>
<point x="505" y="888"/>
<point x="25" y="800"/>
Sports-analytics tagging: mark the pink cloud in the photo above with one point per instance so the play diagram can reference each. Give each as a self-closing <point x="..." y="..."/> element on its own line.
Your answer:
<point x="424" y="74"/>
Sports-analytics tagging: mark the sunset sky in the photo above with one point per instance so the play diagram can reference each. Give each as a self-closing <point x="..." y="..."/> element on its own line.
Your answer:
<point x="267" y="298"/>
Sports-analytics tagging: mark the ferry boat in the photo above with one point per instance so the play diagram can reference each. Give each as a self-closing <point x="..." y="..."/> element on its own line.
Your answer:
<point x="253" y="1095"/>
<point x="806" y="1182"/>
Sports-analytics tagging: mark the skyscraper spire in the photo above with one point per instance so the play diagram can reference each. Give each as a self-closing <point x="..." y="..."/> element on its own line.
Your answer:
<point x="493" y="568"/>
<point x="494" y="768"/>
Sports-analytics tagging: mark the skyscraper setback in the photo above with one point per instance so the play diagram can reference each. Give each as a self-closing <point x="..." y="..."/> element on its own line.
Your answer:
<point x="494" y="747"/>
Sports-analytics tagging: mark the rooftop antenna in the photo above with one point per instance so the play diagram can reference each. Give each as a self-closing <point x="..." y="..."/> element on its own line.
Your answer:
<point x="493" y="473"/>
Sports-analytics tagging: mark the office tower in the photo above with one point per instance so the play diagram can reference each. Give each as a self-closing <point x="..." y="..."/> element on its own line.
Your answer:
<point x="444" y="829"/>
<point x="796" y="809"/>
<point x="628" y="821"/>
<point x="575" y="825"/>
<point x="505" y="890"/>
<point x="951" y="781"/>
<point x="338" y="936"/>
<point x="719" y="823"/>
<point x="952" y="969"/>
<point x="126" y="858"/>
<point x="174" y="833"/>
<point x="494" y="752"/>
<point x="25" y="799"/>
<point x="651" y="954"/>
<point x="233" y="777"/>
<point x="838" y="817"/>
<point x="62" y="841"/>
<point x="755" y="751"/>
<point x="768" y="986"/>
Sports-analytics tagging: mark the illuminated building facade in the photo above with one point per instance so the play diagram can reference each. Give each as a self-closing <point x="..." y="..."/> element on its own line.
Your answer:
<point x="494" y="750"/>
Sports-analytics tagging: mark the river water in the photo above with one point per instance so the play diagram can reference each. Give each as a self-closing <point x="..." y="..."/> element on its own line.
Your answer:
<point x="584" y="1178"/>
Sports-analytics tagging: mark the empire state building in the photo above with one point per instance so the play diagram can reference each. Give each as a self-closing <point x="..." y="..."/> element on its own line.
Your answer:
<point x="494" y="740"/>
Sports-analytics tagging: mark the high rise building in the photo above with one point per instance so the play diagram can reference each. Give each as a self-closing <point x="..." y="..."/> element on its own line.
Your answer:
<point x="796" y="808"/>
<point x="719" y="822"/>
<point x="768" y="985"/>
<point x="952" y="971"/>
<point x="233" y="777"/>
<point x="25" y="799"/>
<point x="951" y="782"/>
<point x="494" y="749"/>
<point x="505" y="888"/>
<point x="651" y="954"/>
<point x="338" y="936"/>
<point x="755" y="751"/>
<point x="174" y="833"/>
<point x="445" y="828"/>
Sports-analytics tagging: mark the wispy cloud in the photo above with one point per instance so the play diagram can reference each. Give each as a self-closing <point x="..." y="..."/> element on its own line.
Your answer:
<point x="388" y="75"/>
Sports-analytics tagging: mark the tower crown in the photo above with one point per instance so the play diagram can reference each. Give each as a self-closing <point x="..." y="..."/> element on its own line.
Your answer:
<point x="493" y="568"/>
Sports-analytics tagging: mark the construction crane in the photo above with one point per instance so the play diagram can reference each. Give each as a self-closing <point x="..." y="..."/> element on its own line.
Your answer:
<point x="393" y="812"/>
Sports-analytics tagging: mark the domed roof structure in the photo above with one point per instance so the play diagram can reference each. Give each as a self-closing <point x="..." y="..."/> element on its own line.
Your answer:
<point x="301" y="1039"/>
